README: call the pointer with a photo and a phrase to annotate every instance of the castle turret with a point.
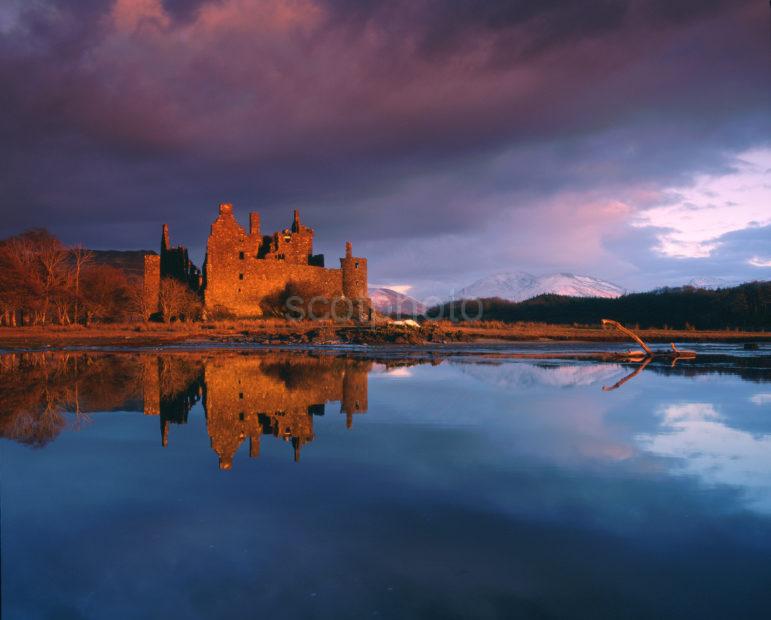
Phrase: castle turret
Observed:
(355, 286)
(296, 222)
(165, 245)
(254, 224)
(354, 274)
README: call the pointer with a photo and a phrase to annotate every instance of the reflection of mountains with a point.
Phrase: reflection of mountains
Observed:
(524, 375)
(243, 396)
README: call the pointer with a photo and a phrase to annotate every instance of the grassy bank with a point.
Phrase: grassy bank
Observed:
(279, 331)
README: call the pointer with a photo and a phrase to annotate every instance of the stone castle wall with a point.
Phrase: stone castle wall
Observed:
(243, 269)
(242, 286)
(151, 285)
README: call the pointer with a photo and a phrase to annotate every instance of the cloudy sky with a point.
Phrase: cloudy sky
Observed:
(448, 139)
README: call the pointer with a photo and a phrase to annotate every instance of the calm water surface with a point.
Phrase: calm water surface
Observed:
(321, 485)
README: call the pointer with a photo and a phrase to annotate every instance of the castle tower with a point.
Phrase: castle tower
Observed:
(254, 224)
(355, 285)
(296, 222)
(176, 264)
(354, 274)
(165, 244)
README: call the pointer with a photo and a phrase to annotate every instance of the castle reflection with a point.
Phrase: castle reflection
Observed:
(244, 396)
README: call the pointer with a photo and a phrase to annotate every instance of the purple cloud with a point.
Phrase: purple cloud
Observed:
(399, 125)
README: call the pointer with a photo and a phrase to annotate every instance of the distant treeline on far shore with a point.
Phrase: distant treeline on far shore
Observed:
(747, 306)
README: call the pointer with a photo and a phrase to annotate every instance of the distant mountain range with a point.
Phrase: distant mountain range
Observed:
(511, 286)
(519, 286)
(712, 283)
(389, 301)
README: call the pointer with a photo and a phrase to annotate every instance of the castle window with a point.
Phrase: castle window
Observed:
(287, 239)
(240, 276)
(241, 397)
(356, 265)
(241, 255)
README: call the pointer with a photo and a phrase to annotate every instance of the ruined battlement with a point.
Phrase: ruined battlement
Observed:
(244, 268)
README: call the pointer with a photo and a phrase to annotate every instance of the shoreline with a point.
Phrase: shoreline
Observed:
(307, 333)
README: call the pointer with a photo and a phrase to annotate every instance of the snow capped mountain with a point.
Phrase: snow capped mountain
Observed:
(519, 286)
(387, 301)
(712, 283)
(503, 285)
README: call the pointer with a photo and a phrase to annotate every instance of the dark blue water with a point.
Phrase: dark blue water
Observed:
(468, 488)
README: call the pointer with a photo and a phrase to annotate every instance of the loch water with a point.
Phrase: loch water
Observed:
(356, 484)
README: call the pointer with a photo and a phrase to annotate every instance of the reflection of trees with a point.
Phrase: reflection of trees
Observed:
(40, 388)
(244, 396)
(756, 368)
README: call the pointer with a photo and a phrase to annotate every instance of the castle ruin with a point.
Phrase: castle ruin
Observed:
(243, 269)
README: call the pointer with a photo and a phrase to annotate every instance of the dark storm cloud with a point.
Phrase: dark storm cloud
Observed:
(381, 120)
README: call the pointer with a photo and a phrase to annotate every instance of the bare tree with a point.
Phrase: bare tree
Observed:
(35, 258)
(53, 262)
(176, 300)
(105, 294)
(81, 257)
(140, 307)
(42, 281)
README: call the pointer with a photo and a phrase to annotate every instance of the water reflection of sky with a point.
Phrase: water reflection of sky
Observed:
(477, 490)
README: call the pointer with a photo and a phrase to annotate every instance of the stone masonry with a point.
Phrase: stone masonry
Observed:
(243, 268)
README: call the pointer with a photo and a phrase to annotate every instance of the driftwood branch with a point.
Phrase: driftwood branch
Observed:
(631, 334)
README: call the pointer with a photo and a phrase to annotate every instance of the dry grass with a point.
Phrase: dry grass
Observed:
(146, 334)
(535, 331)
(142, 334)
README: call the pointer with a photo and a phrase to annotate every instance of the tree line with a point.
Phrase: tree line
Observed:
(44, 282)
(747, 306)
